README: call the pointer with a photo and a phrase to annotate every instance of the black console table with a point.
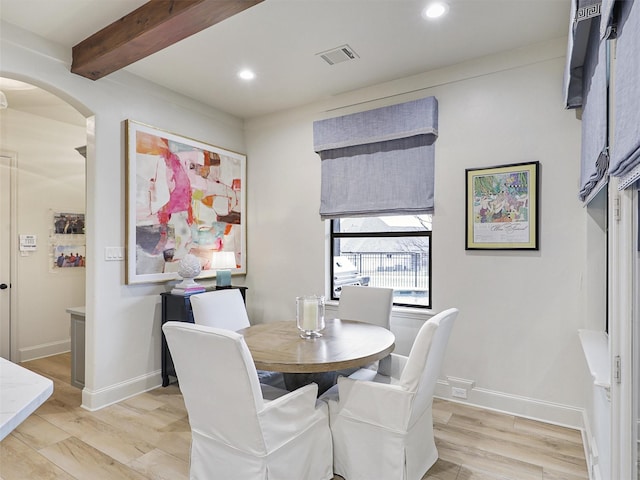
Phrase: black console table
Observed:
(177, 308)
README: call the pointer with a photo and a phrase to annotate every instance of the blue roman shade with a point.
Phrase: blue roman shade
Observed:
(625, 155)
(586, 78)
(594, 160)
(582, 14)
(606, 19)
(378, 162)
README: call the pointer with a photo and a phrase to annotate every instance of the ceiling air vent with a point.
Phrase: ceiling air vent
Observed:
(338, 55)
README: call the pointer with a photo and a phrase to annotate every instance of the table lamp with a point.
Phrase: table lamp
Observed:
(222, 263)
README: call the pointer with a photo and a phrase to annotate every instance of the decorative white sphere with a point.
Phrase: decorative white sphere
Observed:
(189, 266)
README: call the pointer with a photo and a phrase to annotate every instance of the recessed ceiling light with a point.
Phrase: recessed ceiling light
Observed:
(246, 74)
(435, 10)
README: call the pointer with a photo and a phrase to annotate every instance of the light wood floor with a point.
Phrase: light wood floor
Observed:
(148, 436)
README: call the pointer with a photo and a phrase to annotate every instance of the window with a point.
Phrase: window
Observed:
(391, 251)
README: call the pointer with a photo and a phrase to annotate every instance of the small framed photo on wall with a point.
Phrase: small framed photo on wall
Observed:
(502, 207)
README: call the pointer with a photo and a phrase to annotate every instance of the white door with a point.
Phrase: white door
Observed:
(5, 256)
(635, 439)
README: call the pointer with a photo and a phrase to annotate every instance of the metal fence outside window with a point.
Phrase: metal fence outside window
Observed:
(393, 269)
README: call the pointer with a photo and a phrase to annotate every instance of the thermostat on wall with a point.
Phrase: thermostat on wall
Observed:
(28, 243)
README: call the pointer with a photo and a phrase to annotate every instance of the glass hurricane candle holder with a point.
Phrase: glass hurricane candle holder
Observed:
(310, 315)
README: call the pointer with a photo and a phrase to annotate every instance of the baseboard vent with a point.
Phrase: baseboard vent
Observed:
(339, 55)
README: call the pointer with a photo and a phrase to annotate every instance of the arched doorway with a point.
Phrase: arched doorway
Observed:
(43, 177)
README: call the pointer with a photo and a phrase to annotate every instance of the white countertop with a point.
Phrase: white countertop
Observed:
(21, 393)
(595, 345)
(77, 311)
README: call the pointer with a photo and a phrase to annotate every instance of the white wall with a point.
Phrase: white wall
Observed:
(123, 322)
(50, 178)
(516, 336)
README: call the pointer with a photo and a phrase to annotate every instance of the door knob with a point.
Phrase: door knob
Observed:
(3, 286)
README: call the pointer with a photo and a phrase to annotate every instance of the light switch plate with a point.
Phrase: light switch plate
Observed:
(114, 254)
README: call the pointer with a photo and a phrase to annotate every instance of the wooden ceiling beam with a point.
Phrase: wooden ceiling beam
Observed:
(147, 30)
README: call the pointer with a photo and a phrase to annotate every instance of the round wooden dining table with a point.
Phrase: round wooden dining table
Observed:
(277, 346)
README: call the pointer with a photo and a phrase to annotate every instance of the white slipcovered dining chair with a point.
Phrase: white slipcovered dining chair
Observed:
(220, 309)
(366, 304)
(237, 433)
(370, 305)
(225, 308)
(382, 426)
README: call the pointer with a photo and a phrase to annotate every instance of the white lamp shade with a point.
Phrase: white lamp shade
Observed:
(223, 260)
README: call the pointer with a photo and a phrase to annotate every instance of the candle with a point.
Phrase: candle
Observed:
(310, 314)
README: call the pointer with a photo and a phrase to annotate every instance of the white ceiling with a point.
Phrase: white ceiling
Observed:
(280, 40)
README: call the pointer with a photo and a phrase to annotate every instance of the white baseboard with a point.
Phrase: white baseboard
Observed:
(93, 400)
(535, 409)
(44, 350)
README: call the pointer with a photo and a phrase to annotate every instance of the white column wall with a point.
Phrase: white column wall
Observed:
(516, 336)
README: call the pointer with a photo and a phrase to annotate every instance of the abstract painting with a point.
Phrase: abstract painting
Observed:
(183, 196)
(502, 207)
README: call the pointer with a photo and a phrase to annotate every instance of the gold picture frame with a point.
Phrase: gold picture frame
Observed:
(182, 196)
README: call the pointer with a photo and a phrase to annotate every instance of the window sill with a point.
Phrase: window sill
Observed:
(595, 345)
(418, 312)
